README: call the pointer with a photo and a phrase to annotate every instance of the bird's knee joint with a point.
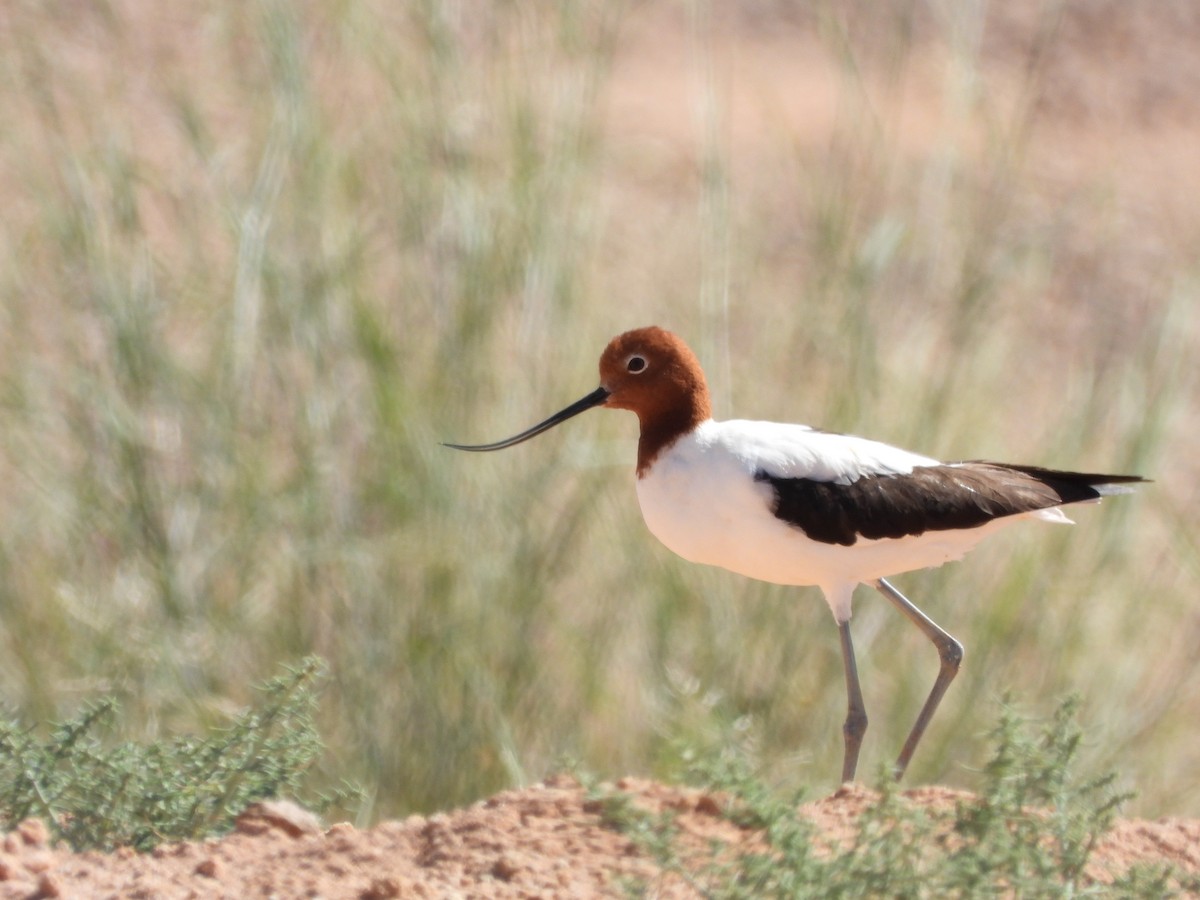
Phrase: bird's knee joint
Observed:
(855, 725)
(951, 652)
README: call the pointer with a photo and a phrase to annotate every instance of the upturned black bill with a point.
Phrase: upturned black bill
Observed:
(595, 398)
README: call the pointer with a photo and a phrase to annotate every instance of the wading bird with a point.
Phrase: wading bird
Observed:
(790, 504)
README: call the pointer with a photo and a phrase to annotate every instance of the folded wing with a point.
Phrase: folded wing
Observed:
(929, 498)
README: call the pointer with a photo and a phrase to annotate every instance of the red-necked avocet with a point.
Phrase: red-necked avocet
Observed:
(790, 504)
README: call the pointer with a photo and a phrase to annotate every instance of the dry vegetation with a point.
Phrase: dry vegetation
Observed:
(257, 259)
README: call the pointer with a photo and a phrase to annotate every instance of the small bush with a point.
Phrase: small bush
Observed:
(1028, 832)
(97, 794)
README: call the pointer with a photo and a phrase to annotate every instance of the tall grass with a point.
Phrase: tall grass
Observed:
(258, 259)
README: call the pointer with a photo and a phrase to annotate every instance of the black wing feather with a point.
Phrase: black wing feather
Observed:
(930, 498)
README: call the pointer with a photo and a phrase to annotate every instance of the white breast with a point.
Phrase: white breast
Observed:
(700, 498)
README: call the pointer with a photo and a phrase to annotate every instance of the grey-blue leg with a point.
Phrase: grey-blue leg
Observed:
(950, 652)
(856, 713)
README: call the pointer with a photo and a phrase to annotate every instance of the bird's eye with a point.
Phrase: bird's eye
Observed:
(636, 364)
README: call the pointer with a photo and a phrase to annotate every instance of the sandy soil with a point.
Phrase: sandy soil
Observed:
(543, 841)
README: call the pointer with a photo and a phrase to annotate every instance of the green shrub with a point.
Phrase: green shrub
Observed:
(96, 794)
(1029, 831)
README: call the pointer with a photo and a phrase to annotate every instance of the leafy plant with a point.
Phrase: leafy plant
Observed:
(99, 795)
(1030, 831)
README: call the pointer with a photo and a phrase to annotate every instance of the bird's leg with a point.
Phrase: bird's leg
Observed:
(856, 713)
(950, 652)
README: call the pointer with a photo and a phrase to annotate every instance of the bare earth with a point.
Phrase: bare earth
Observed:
(543, 841)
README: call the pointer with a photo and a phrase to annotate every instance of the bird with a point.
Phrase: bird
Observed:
(795, 505)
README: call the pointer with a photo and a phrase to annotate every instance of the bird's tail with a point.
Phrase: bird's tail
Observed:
(1075, 487)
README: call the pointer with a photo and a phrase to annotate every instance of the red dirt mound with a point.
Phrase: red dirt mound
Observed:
(544, 841)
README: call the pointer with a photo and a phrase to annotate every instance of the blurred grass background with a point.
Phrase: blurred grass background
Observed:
(257, 259)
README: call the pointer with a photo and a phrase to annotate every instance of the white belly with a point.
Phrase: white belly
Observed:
(702, 502)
